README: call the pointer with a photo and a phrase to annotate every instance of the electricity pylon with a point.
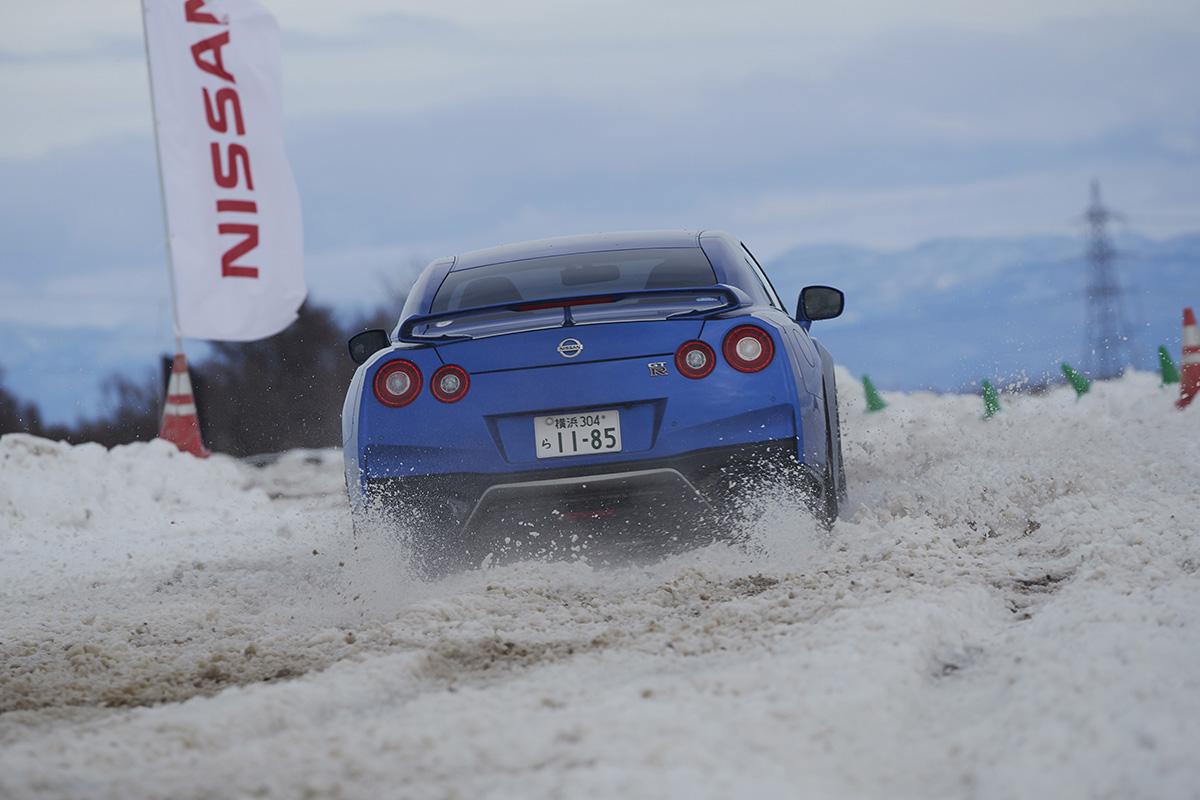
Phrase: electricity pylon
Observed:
(1107, 349)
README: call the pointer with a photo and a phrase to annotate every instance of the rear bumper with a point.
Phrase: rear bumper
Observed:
(711, 478)
(589, 498)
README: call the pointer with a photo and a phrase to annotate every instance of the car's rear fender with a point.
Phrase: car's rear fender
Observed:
(360, 399)
(797, 355)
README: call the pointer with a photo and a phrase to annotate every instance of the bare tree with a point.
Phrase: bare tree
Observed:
(16, 416)
(267, 396)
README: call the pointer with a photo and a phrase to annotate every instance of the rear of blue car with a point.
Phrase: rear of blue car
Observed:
(591, 393)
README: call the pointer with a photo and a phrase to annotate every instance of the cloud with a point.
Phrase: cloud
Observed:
(1160, 200)
(104, 48)
(387, 28)
(946, 70)
(97, 301)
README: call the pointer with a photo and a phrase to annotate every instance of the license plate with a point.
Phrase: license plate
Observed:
(577, 434)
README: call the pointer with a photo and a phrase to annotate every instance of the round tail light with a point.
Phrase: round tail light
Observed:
(397, 383)
(450, 383)
(695, 359)
(748, 348)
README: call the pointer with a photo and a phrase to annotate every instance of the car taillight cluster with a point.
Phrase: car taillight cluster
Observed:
(747, 348)
(450, 383)
(695, 359)
(397, 383)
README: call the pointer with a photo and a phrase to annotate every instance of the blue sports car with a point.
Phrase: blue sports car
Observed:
(619, 386)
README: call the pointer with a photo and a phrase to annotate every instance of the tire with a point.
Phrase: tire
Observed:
(842, 491)
(826, 505)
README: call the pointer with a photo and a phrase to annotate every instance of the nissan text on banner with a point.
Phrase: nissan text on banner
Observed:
(233, 213)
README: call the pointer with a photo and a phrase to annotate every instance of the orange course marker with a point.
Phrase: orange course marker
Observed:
(1189, 368)
(180, 424)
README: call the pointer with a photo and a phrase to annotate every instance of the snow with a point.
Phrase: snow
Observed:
(1008, 608)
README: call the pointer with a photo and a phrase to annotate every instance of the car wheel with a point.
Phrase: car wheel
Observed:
(842, 492)
(826, 505)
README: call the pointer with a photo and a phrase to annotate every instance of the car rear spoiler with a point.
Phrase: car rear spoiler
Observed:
(730, 298)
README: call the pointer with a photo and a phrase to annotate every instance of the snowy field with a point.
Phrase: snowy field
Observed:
(1009, 608)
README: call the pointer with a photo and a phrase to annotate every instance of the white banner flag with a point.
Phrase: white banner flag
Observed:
(233, 213)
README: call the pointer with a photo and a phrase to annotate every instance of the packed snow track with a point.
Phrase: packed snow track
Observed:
(1008, 608)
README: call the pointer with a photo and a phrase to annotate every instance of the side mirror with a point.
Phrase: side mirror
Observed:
(368, 343)
(820, 302)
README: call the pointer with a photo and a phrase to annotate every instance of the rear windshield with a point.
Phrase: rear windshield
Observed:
(572, 275)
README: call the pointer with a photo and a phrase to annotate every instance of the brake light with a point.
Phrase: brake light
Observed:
(695, 359)
(397, 383)
(450, 383)
(581, 301)
(748, 348)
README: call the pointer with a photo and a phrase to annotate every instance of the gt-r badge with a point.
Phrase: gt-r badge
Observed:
(657, 369)
(569, 348)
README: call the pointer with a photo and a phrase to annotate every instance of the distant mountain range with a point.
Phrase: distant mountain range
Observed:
(946, 313)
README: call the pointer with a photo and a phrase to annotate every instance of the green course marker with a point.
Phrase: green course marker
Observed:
(1078, 382)
(991, 401)
(1170, 373)
(874, 401)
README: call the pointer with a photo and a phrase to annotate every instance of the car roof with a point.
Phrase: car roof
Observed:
(586, 243)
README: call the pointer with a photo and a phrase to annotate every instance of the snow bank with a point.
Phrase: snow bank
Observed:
(1007, 609)
(53, 485)
(79, 508)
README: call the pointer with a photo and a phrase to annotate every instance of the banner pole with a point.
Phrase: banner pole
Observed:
(162, 189)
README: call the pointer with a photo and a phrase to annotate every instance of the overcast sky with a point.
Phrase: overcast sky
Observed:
(418, 129)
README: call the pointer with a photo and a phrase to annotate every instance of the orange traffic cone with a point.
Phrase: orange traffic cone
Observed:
(180, 425)
(1189, 369)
